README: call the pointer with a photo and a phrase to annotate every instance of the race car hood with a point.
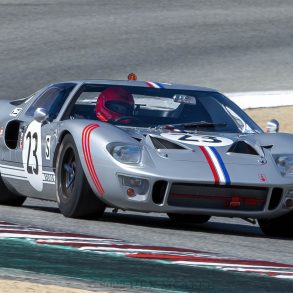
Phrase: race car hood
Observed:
(237, 158)
(240, 149)
(189, 146)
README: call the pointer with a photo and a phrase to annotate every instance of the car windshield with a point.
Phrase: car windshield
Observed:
(152, 108)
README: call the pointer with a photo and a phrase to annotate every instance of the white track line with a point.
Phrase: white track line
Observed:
(246, 100)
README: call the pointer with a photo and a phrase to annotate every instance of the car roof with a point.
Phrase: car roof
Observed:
(146, 84)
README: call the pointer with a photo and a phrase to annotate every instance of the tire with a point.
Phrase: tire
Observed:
(188, 218)
(7, 197)
(278, 227)
(74, 194)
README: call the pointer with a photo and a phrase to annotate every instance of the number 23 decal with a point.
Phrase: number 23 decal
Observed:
(202, 140)
(32, 155)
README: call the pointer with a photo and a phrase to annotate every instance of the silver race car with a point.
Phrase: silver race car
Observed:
(183, 150)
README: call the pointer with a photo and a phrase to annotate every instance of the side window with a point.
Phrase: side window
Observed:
(52, 100)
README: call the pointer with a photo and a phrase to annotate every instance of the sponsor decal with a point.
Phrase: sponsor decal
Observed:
(262, 178)
(170, 255)
(15, 112)
(48, 147)
(49, 177)
(86, 149)
(199, 140)
(217, 166)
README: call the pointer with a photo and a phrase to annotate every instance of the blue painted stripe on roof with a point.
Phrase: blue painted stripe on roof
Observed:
(159, 84)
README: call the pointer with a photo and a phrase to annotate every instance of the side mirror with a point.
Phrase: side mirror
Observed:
(41, 115)
(273, 126)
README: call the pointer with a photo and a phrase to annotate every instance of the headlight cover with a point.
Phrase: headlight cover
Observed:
(285, 164)
(125, 153)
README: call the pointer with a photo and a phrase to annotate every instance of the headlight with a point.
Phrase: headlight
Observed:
(125, 153)
(285, 164)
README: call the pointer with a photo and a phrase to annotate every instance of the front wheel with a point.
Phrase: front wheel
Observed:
(278, 227)
(7, 197)
(188, 218)
(74, 194)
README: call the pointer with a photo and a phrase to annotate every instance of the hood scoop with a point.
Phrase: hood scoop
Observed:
(160, 143)
(242, 147)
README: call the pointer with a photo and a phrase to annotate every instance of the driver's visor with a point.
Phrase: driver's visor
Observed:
(120, 108)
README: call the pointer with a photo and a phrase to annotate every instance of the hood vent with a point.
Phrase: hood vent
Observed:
(138, 139)
(160, 143)
(242, 147)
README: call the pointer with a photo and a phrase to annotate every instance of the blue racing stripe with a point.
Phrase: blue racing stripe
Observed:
(159, 84)
(223, 167)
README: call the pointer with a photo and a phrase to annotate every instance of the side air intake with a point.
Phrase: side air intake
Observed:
(159, 190)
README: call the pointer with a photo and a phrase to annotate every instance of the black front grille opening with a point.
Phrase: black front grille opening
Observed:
(159, 191)
(275, 198)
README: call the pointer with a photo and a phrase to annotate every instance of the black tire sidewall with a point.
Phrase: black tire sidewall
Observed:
(82, 203)
(7, 197)
(278, 227)
(69, 205)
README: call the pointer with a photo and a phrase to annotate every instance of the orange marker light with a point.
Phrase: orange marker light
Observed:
(132, 76)
(131, 192)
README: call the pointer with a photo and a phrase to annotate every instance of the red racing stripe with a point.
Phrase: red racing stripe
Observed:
(246, 200)
(149, 84)
(84, 149)
(211, 164)
(88, 158)
(90, 162)
(98, 183)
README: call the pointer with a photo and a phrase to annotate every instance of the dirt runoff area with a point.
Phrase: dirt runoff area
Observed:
(283, 114)
(9, 286)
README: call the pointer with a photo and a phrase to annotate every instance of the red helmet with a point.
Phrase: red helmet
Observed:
(114, 102)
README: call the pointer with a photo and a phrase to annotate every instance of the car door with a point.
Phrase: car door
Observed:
(31, 157)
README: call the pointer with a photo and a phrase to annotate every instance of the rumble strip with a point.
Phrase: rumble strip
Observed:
(171, 255)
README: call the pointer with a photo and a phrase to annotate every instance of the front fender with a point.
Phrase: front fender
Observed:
(91, 139)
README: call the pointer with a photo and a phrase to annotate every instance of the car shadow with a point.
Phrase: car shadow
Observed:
(162, 222)
(146, 220)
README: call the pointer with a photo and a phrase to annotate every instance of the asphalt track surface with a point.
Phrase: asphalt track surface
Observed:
(230, 45)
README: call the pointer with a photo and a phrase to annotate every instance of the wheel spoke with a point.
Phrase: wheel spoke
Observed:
(70, 174)
(68, 168)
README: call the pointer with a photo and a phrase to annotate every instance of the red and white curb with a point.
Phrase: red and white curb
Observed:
(171, 255)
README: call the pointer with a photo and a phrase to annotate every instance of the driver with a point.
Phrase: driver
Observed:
(113, 103)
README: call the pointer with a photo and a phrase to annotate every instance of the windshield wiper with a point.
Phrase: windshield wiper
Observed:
(201, 124)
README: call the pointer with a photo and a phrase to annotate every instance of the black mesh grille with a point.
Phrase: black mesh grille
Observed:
(218, 197)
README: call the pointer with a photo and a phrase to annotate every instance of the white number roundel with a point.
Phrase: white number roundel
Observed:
(32, 155)
(201, 140)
